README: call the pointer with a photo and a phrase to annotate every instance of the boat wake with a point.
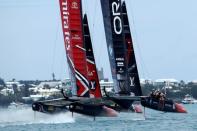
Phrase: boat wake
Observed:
(27, 116)
(132, 116)
(123, 116)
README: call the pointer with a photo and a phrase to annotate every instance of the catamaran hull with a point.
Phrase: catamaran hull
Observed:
(90, 107)
(95, 110)
(124, 104)
(48, 109)
(166, 105)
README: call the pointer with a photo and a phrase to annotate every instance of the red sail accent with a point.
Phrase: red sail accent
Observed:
(71, 15)
(94, 81)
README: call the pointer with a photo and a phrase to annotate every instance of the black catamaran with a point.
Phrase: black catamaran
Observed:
(123, 62)
(120, 50)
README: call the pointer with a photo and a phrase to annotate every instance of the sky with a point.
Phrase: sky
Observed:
(164, 34)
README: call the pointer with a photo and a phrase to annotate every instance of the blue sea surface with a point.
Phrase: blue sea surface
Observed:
(26, 120)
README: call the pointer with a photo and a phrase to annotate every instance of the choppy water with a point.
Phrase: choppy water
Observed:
(26, 120)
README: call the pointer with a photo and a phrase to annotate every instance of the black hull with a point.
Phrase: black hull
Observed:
(91, 109)
(48, 109)
(123, 103)
(86, 109)
(152, 103)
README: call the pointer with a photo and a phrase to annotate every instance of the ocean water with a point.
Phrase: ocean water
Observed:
(26, 120)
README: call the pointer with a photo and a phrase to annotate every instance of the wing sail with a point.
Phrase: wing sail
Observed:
(71, 15)
(94, 85)
(112, 19)
(133, 76)
(120, 48)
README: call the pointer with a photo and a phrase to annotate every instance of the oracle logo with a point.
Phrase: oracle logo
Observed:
(117, 22)
(65, 21)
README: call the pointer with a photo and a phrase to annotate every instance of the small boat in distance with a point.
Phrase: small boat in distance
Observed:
(189, 100)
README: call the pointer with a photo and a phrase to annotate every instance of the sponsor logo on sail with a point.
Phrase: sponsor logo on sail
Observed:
(92, 85)
(120, 71)
(74, 5)
(65, 20)
(90, 73)
(117, 22)
(120, 64)
(76, 37)
(132, 81)
(119, 59)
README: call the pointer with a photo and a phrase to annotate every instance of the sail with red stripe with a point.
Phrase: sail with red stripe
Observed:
(79, 49)
(71, 15)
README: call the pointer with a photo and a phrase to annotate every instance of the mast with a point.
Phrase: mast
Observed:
(92, 71)
(133, 76)
(71, 15)
(112, 18)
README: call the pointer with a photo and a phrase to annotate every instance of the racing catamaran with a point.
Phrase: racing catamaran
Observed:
(81, 61)
(123, 62)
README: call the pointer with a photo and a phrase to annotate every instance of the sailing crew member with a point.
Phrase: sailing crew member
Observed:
(161, 101)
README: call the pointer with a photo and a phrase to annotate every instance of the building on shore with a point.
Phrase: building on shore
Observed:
(166, 82)
(108, 85)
